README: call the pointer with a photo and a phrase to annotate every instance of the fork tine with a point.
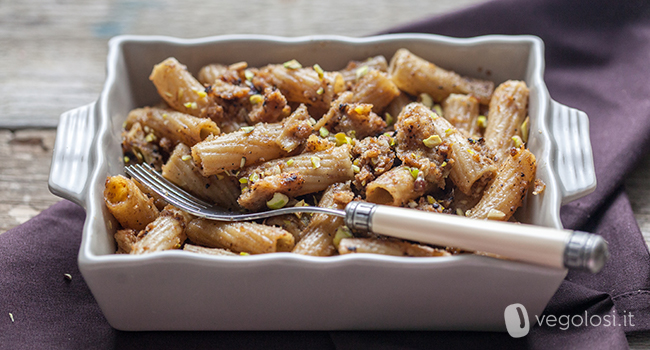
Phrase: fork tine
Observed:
(170, 186)
(147, 179)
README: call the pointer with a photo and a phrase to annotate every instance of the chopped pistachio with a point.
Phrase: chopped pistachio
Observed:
(358, 109)
(244, 189)
(518, 141)
(341, 139)
(243, 254)
(247, 129)
(438, 109)
(150, 137)
(186, 157)
(315, 162)
(432, 141)
(341, 232)
(470, 151)
(426, 100)
(242, 162)
(191, 105)
(430, 199)
(165, 116)
(320, 71)
(481, 121)
(248, 75)
(292, 64)
(356, 169)
(414, 172)
(255, 99)
(290, 162)
(361, 72)
(126, 159)
(495, 214)
(389, 119)
(468, 212)
(180, 93)
(254, 177)
(243, 180)
(524, 129)
(320, 90)
(444, 163)
(202, 94)
(460, 212)
(220, 176)
(353, 134)
(278, 201)
(449, 131)
(323, 132)
(312, 121)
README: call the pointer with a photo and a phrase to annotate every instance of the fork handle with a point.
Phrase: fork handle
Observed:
(527, 243)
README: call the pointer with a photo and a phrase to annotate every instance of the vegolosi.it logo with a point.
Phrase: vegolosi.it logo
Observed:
(517, 322)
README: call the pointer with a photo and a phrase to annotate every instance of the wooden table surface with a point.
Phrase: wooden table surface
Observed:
(52, 59)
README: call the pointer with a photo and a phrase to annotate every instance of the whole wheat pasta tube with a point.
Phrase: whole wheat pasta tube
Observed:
(176, 126)
(208, 251)
(240, 237)
(318, 236)
(303, 85)
(181, 170)
(375, 88)
(182, 91)
(165, 233)
(296, 176)
(397, 186)
(507, 191)
(357, 69)
(387, 247)
(508, 110)
(125, 240)
(415, 75)
(248, 147)
(472, 170)
(462, 111)
(130, 207)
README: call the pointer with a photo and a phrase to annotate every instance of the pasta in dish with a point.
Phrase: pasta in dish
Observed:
(403, 133)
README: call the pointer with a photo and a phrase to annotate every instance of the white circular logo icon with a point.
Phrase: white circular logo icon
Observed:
(517, 322)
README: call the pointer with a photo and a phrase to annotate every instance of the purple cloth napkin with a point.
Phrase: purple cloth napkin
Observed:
(597, 60)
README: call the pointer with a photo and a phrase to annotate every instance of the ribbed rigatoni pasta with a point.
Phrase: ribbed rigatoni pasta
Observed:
(387, 247)
(176, 126)
(471, 170)
(295, 176)
(182, 91)
(318, 236)
(462, 112)
(415, 75)
(252, 146)
(397, 186)
(165, 233)
(507, 191)
(240, 237)
(181, 170)
(508, 110)
(130, 207)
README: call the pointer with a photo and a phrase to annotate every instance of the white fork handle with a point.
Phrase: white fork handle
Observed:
(527, 243)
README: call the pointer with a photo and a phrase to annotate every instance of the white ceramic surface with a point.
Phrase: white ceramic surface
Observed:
(176, 290)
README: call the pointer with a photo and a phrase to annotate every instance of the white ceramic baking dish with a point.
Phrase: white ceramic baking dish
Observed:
(177, 290)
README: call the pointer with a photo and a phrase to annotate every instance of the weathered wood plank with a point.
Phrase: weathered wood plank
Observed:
(54, 52)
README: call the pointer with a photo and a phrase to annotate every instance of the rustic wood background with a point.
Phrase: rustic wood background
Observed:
(53, 52)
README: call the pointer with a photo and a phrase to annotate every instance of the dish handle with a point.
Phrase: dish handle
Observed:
(573, 158)
(72, 152)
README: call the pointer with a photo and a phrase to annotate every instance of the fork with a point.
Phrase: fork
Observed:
(526, 243)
